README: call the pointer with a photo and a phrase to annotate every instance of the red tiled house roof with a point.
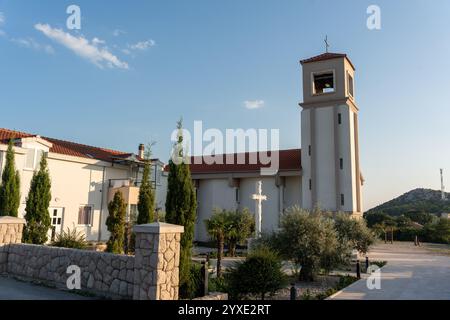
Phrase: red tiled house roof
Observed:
(289, 160)
(66, 147)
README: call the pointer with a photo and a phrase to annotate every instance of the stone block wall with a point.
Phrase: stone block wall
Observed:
(105, 274)
(152, 274)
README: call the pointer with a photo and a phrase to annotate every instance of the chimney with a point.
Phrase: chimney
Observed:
(141, 152)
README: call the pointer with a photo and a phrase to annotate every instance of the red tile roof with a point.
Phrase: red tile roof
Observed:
(288, 160)
(326, 56)
(66, 147)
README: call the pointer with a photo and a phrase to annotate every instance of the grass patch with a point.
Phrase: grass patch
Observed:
(378, 263)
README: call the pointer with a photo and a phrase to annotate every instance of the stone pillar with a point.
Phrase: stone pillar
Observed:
(11, 229)
(157, 260)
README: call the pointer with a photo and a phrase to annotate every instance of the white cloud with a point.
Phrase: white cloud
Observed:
(33, 44)
(2, 18)
(118, 32)
(97, 41)
(101, 57)
(142, 45)
(254, 104)
(2, 33)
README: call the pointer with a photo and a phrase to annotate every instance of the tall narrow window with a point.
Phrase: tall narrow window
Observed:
(85, 215)
(339, 118)
(236, 190)
(342, 200)
(350, 84)
(341, 163)
(310, 184)
(309, 150)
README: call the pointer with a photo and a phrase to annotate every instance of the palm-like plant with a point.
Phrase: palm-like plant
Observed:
(218, 227)
(241, 226)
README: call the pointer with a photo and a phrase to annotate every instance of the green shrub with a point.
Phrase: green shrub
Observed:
(115, 222)
(217, 285)
(326, 294)
(345, 281)
(356, 232)
(260, 274)
(193, 287)
(307, 295)
(309, 240)
(378, 263)
(70, 239)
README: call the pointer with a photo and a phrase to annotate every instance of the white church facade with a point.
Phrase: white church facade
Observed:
(324, 173)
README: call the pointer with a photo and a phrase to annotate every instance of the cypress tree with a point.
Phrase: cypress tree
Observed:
(10, 186)
(181, 206)
(116, 224)
(38, 201)
(146, 202)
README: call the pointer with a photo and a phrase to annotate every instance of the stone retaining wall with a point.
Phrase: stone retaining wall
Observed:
(152, 274)
(101, 273)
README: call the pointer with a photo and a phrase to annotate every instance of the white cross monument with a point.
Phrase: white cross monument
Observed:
(259, 198)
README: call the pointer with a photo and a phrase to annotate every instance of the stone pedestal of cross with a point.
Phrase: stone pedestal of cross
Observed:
(259, 198)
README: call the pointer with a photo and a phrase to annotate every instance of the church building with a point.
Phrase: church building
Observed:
(324, 173)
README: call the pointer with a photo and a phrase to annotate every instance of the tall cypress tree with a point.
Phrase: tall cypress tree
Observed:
(116, 224)
(146, 202)
(10, 186)
(38, 201)
(181, 207)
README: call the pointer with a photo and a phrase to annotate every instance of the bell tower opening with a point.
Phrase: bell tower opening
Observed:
(323, 82)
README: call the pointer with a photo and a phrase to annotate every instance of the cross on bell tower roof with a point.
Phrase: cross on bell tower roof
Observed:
(327, 45)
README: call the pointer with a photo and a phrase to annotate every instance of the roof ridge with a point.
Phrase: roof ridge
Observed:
(86, 145)
(26, 134)
(247, 152)
(18, 132)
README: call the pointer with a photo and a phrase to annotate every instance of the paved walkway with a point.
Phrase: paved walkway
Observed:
(11, 289)
(412, 273)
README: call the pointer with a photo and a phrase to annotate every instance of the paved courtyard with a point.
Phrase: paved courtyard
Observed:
(11, 289)
(412, 273)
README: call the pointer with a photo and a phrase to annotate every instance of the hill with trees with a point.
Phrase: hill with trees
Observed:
(415, 201)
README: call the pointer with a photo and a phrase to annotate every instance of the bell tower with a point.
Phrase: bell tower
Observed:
(331, 176)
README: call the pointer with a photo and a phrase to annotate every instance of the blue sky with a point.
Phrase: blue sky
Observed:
(203, 59)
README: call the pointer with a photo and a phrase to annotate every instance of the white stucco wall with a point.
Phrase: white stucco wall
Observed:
(306, 158)
(293, 192)
(212, 193)
(325, 158)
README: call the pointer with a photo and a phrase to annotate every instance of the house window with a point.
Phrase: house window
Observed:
(309, 150)
(350, 84)
(132, 215)
(85, 215)
(310, 184)
(33, 158)
(339, 118)
(342, 199)
(236, 190)
(341, 163)
(323, 82)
